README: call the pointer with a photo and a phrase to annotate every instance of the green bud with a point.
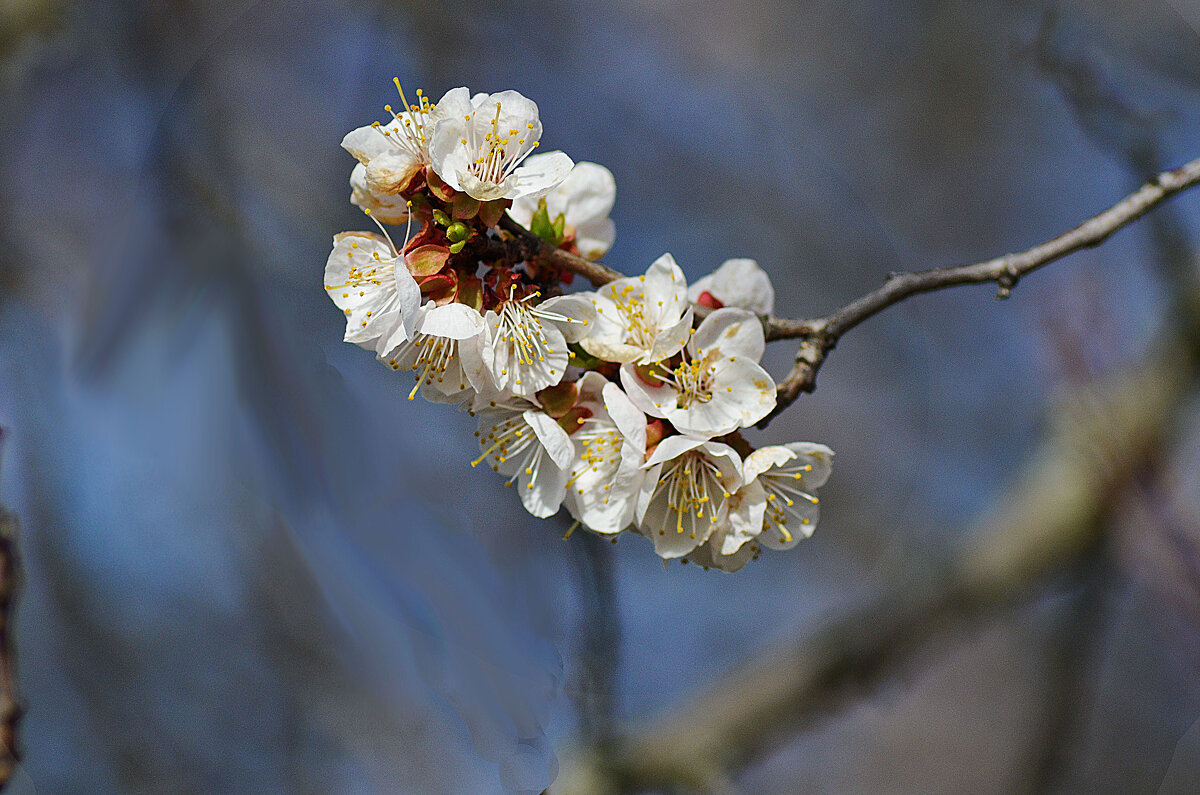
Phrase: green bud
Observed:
(540, 224)
(457, 247)
(560, 226)
(441, 218)
(458, 232)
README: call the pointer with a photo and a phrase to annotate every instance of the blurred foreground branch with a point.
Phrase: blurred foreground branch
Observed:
(10, 709)
(1050, 519)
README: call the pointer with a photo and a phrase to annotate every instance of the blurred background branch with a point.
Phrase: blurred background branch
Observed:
(1107, 438)
(1051, 519)
(10, 707)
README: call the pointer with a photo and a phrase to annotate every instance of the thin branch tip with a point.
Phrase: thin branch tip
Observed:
(819, 336)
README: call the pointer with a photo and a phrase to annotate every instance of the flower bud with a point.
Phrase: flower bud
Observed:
(426, 260)
(470, 292)
(441, 218)
(491, 212)
(438, 187)
(655, 431)
(457, 232)
(465, 206)
(559, 399)
(646, 372)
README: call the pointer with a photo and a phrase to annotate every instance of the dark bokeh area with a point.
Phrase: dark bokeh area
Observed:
(250, 565)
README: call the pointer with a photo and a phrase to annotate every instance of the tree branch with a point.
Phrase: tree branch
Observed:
(10, 708)
(1052, 517)
(818, 336)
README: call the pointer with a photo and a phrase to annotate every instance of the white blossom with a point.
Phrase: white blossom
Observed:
(481, 143)
(709, 555)
(780, 484)
(388, 209)
(640, 319)
(790, 475)
(717, 387)
(434, 353)
(732, 544)
(532, 450)
(525, 344)
(610, 448)
(686, 493)
(392, 154)
(738, 283)
(584, 199)
(372, 286)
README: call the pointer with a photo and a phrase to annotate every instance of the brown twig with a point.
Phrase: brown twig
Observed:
(597, 273)
(10, 708)
(818, 336)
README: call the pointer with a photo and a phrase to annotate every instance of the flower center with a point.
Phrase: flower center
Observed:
(692, 379)
(691, 485)
(500, 151)
(781, 486)
(639, 330)
(520, 326)
(511, 439)
(435, 355)
(600, 456)
(411, 121)
(359, 277)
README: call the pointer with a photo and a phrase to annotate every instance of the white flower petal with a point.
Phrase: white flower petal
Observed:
(595, 238)
(456, 321)
(651, 399)
(745, 517)
(665, 281)
(538, 178)
(391, 171)
(630, 421)
(704, 420)
(672, 447)
(765, 458)
(578, 309)
(746, 385)
(543, 496)
(738, 283)
(735, 332)
(588, 193)
(384, 208)
(369, 142)
(819, 457)
(484, 191)
(670, 341)
(553, 438)
(471, 355)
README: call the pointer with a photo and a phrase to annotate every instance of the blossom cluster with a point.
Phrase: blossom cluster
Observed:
(622, 404)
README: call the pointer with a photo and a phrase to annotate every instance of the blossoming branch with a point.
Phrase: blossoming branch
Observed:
(622, 404)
